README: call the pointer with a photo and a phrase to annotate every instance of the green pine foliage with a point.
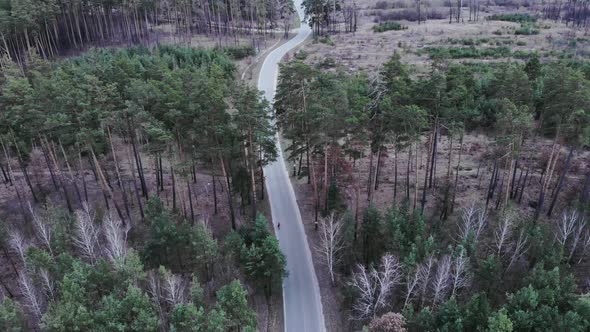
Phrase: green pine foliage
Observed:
(388, 26)
(518, 18)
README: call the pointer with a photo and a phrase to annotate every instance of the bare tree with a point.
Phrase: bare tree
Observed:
(585, 245)
(174, 287)
(472, 224)
(440, 285)
(460, 274)
(503, 233)
(520, 248)
(425, 272)
(570, 233)
(19, 244)
(412, 283)
(42, 229)
(86, 238)
(116, 238)
(331, 243)
(48, 283)
(565, 227)
(374, 287)
(153, 286)
(30, 295)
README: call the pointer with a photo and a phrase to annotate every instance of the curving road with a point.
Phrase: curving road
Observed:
(301, 294)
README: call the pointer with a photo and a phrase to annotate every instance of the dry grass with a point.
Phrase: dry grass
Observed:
(366, 50)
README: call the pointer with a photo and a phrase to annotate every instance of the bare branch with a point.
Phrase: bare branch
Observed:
(388, 277)
(19, 244)
(42, 229)
(520, 248)
(585, 245)
(460, 276)
(565, 227)
(86, 238)
(362, 283)
(30, 296)
(116, 236)
(425, 273)
(472, 223)
(374, 287)
(48, 283)
(503, 233)
(412, 283)
(441, 280)
(331, 243)
(174, 288)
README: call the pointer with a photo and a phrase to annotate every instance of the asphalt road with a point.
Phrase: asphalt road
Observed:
(301, 294)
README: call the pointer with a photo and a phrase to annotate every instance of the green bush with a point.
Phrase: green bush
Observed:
(301, 55)
(521, 43)
(387, 26)
(518, 18)
(527, 30)
(239, 52)
(468, 52)
(326, 40)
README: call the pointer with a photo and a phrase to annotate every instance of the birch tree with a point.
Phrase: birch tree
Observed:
(331, 242)
(86, 238)
(374, 287)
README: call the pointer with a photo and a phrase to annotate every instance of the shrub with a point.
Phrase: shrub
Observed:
(409, 15)
(521, 43)
(239, 52)
(527, 30)
(468, 52)
(326, 40)
(387, 26)
(518, 18)
(301, 55)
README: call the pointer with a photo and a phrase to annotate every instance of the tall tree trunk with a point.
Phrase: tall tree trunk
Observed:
(545, 183)
(378, 168)
(326, 149)
(190, 200)
(585, 194)
(370, 179)
(214, 194)
(229, 194)
(173, 188)
(433, 157)
(524, 183)
(138, 162)
(408, 169)
(561, 181)
(457, 173)
(394, 175)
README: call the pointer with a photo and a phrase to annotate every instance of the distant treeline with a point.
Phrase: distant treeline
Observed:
(53, 26)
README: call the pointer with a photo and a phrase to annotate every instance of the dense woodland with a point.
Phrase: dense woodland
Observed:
(487, 264)
(109, 223)
(55, 26)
